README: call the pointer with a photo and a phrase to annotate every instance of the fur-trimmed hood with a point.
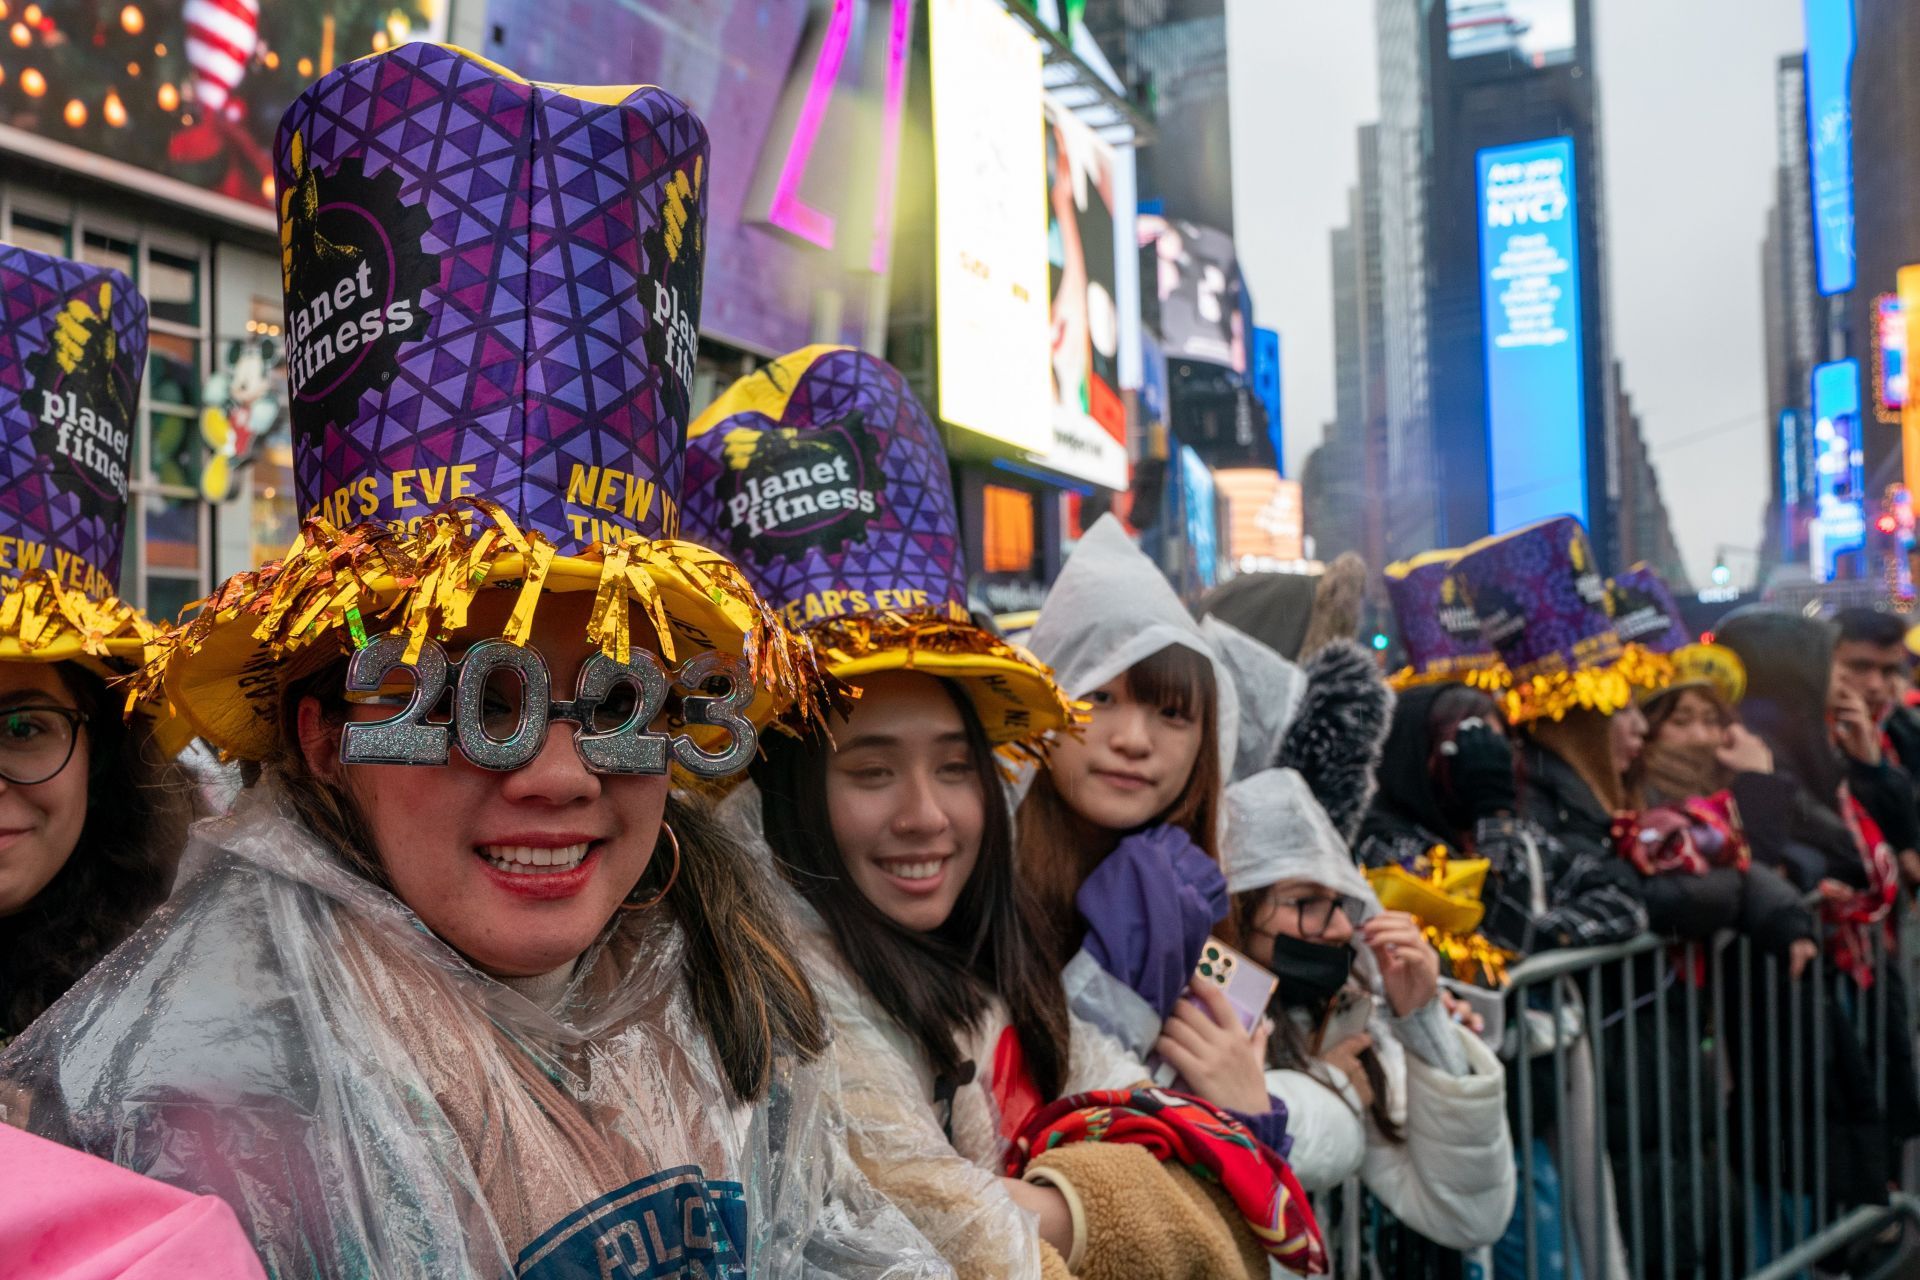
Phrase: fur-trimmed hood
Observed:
(1335, 738)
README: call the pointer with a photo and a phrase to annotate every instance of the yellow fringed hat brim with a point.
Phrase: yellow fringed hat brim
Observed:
(223, 671)
(1012, 692)
(1605, 688)
(1495, 679)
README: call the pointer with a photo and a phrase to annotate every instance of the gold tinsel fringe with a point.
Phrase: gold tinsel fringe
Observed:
(38, 613)
(1605, 688)
(944, 631)
(329, 587)
(1494, 679)
(1471, 958)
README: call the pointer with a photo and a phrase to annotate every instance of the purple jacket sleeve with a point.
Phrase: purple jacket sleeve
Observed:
(1270, 1128)
(1148, 909)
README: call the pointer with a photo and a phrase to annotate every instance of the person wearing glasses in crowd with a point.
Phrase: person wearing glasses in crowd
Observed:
(1395, 1092)
(93, 810)
(481, 990)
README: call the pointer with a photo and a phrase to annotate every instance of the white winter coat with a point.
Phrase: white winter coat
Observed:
(1452, 1180)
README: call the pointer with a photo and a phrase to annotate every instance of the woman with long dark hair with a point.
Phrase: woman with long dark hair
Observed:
(952, 1036)
(1119, 831)
(93, 810)
(466, 985)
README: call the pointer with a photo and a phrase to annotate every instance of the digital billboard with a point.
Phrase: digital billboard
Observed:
(1540, 33)
(1830, 45)
(1202, 516)
(1265, 518)
(803, 106)
(1907, 283)
(1198, 309)
(192, 89)
(1889, 358)
(1083, 268)
(1839, 524)
(990, 224)
(1266, 389)
(1530, 308)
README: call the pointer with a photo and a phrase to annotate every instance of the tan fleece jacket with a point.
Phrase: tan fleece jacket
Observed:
(1138, 1219)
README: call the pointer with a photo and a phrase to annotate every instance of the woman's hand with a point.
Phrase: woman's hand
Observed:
(1213, 1053)
(1835, 891)
(1047, 1204)
(1346, 1056)
(1800, 954)
(1744, 752)
(1462, 1012)
(1409, 967)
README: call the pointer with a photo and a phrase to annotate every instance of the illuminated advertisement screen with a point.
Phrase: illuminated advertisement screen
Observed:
(1198, 291)
(1889, 357)
(803, 107)
(1538, 32)
(192, 89)
(1083, 268)
(1197, 496)
(1839, 521)
(1830, 44)
(1530, 305)
(990, 224)
(1264, 517)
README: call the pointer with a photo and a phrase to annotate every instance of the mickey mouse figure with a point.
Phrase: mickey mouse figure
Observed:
(242, 406)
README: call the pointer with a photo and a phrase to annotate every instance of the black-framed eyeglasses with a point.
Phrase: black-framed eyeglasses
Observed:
(36, 742)
(1313, 912)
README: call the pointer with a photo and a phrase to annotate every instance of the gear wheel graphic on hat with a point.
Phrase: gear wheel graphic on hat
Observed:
(83, 414)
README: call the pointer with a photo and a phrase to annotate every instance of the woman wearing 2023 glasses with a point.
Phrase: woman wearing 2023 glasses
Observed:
(92, 810)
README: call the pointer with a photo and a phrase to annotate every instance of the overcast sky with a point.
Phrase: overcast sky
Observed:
(1687, 127)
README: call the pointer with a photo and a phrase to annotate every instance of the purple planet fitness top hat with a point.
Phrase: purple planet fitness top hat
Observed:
(492, 291)
(1438, 628)
(1644, 612)
(826, 481)
(1543, 602)
(73, 346)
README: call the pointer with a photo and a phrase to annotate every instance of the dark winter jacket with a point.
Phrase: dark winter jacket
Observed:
(1557, 799)
(1586, 901)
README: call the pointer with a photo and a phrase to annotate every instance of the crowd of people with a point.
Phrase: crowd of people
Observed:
(821, 929)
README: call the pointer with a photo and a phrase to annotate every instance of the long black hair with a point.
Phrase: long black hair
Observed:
(138, 806)
(936, 984)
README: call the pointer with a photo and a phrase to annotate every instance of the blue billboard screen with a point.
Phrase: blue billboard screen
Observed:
(1839, 523)
(1830, 44)
(1530, 309)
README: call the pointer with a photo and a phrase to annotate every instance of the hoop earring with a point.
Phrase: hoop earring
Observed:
(628, 904)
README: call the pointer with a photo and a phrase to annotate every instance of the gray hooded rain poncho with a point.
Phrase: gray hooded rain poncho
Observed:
(287, 1036)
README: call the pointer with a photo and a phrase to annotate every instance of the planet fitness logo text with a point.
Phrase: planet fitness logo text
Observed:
(83, 389)
(784, 491)
(355, 276)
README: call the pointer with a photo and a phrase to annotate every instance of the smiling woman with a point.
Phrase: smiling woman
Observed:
(92, 810)
(473, 991)
(893, 832)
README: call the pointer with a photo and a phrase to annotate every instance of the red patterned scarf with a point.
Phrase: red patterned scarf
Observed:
(1203, 1139)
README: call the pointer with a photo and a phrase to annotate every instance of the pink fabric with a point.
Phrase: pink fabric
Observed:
(68, 1216)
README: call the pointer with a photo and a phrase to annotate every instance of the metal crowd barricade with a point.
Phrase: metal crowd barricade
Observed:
(1720, 1066)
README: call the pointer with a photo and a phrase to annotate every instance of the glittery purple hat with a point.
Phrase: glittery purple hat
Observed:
(492, 292)
(1543, 604)
(73, 344)
(1438, 628)
(823, 478)
(1644, 612)
(492, 300)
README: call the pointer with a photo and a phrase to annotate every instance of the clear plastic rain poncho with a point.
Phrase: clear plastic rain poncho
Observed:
(942, 1170)
(1270, 689)
(1109, 608)
(289, 1037)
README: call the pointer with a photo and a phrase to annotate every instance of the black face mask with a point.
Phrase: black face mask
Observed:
(1310, 973)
